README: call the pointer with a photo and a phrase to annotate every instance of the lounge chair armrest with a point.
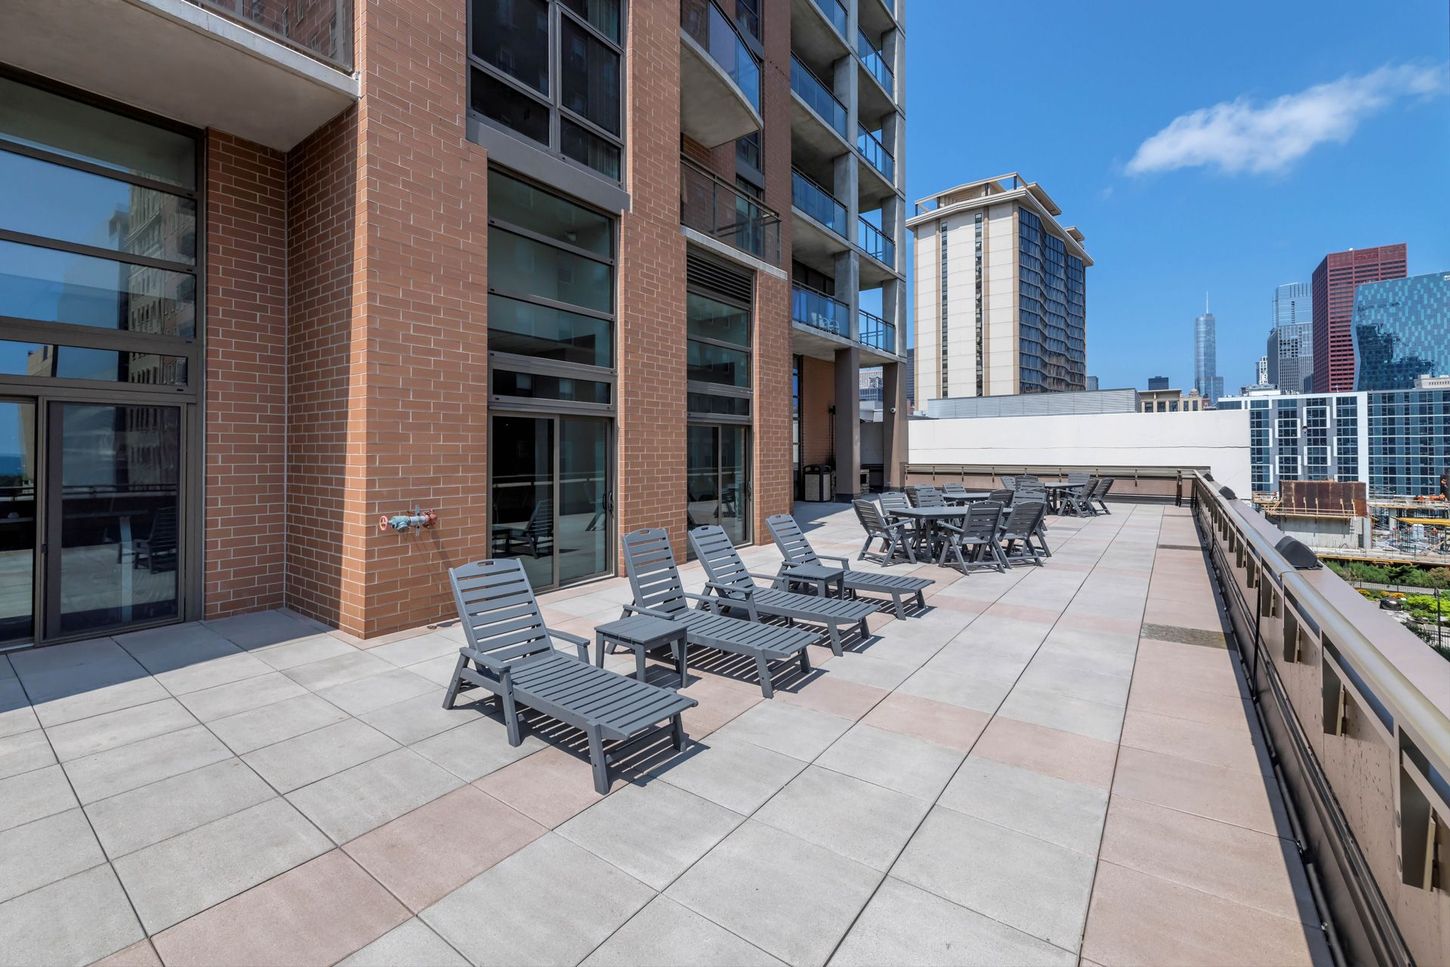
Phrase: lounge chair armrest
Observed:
(581, 645)
(501, 669)
(731, 590)
(638, 609)
(764, 577)
(843, 561)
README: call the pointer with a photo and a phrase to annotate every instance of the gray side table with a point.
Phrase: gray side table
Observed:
(642, 633)
(817, 576)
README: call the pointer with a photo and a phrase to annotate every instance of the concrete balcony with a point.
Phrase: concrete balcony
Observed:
(820, 225)
(720, 211)
(720, 76)
(270, 72)
(818, 118)
(818, 30)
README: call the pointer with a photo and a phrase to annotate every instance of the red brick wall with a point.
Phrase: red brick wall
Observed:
(651, 327)
(322, 182)
(246, 318)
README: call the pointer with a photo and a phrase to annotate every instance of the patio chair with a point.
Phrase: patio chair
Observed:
(650, 563)
(1100, 493)
(736, 588)
(930, 497)
(954, 491)
(537, 534)
(977, 535)
(797, 550)
(896, 536)
(1010, 483)
(1077, 501)
(1003, 497)
(510, 654)
(1014, 541)
(157, 549)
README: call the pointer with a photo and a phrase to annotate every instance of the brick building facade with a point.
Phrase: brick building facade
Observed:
(352, 363)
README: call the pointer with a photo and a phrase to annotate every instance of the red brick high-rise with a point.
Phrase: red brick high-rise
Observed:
(1333, 285)
(545, 268)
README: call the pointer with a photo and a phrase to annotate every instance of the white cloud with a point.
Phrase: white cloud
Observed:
(1244, 136)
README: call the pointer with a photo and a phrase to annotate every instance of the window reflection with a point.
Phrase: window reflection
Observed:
(47, 285)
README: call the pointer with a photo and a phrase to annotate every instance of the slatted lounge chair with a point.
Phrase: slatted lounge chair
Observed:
(737, 589)
(798, 552)
(510, 653)
(1100, 493)
(976, 533)
(650, 562)
(930, 497)
(896, 536)
(537, 534)
(1003, 497)
(1015, 538)
(954, 491)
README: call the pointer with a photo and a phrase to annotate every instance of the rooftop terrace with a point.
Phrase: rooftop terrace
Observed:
(1053, 765)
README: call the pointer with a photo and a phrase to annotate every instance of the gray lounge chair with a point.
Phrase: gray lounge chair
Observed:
(650, 562)
(537, 533)
(510, 653)
(798, 552)
(896, 536)
(737, 589)
(1100, 493)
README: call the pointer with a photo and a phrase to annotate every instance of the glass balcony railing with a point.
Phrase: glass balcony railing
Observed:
(875, 332)
(819, 311)
(818, 203)
(835, 12)
(720, 210)
(877, 243)
(815, 93)
(874, 62)
(875, 153)
(717, 33)
(319, 28)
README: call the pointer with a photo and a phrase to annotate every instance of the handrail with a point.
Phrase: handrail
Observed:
(875, 152)
(816, 202)
(879, 245)
(718, 34)
(873, 331)
(813, 308)
(873, 61)
(711, 205)
(814, 92)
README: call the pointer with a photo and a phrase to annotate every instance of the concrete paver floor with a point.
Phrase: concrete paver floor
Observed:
(1054, 765)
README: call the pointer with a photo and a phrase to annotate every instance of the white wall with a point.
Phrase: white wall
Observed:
(1218, 439)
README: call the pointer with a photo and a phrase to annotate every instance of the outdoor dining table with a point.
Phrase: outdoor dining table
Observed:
(967, 497)
(929, 517)
(1055, 489)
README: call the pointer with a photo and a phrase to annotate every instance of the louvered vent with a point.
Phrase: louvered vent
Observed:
(716, 278)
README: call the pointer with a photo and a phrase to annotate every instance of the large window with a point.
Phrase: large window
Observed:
(553, 72)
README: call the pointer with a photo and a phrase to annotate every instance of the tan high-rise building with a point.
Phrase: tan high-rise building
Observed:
(999, 295)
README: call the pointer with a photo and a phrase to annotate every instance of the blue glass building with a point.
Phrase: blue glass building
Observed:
(1052, 311)
(1401, 331)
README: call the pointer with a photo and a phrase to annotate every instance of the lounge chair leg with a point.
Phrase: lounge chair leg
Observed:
(865, 630)
(920, 600)
(805, 660)
(677, 732)
(897, 605)
(835, 635)
(597, 760)
(762, 668)
(452, 694)
(511, 719)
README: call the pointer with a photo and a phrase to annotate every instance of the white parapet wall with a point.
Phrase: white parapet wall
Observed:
(1217, 439)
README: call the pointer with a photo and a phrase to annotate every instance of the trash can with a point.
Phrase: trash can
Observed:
(819, 482)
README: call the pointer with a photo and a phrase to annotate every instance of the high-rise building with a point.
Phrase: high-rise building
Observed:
(1291, 339)
(999, 298)
(1205, 357)
(1157, 382)
(1334, 284)
(1091, 385)
(1261, 371)
(1401, 331)
(405, 283)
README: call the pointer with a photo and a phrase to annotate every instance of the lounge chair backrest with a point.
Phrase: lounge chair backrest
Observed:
(1023, 520)
(953, 490)
(1104, 485)
(790, 539)
(1003, 497)
(869, 516)
(497, 607)
(718, 557)
(982, 520)
(1009, 482)
(541, 520)
(893, 500)
(1078, 479)
(650, 563)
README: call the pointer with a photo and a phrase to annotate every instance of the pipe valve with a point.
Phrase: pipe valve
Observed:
(399, 523)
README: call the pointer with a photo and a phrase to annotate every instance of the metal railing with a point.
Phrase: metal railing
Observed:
(873, 331)
(835, 12)
(713, 206)
(718, 34)
(818, 310)
(818, 203)
(1354, 709)
(814, 92)
(877, 243)
(875, 153)
(318, 28)
(874, 62)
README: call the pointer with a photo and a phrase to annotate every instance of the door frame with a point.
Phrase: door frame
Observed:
(611, 456)
(746, 510)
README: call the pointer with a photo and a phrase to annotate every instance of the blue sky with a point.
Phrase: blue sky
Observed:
(1274, 170)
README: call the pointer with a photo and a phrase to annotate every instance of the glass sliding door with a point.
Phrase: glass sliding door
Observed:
(718, 479)
(17, 520)
(115, 495)
(551, 501)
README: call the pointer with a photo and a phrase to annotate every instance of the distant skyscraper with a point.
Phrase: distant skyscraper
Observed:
(1401, 331)
(1291, 340)
(1092, 384)
(1335, 280)
(1205, 357)
(1261, 372)
(1157, 382)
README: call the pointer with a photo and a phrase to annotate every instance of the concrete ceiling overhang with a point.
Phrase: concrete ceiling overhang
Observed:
(713, 109)
(177, 60)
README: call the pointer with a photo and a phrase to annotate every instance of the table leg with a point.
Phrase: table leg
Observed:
(681, 650)
(599, 649)
(639, 663)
